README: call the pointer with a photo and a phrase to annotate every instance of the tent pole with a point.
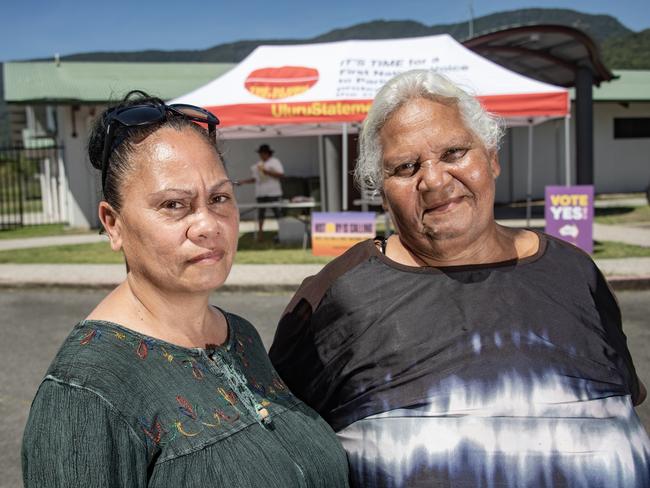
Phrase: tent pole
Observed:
(344, 172)
(324, 204)
(529, 182)
(567, 152)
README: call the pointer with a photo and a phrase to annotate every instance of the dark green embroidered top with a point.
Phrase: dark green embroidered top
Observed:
(117, 408)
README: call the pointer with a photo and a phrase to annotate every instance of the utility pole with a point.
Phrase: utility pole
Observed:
(471, 19)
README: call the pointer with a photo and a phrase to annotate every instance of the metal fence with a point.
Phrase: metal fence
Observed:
(33, 187)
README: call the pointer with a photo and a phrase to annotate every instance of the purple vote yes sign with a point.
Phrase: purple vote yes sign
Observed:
(569, 214)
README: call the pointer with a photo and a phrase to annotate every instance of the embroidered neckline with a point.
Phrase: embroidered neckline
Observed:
(122, 329)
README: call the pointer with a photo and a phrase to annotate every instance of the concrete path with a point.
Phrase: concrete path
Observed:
(620, 202)
(625, 266)
(637, 234)
(253, 277)
(622, 273)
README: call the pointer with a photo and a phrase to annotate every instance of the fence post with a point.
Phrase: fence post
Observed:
(63, 188)
(33, 186)
(19, 176)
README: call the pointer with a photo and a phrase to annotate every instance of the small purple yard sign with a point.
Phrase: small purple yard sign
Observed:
(569, 213)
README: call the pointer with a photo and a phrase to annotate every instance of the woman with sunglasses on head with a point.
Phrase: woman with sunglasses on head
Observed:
(156, 387)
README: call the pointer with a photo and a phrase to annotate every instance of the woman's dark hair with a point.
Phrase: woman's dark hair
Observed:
(124, 141)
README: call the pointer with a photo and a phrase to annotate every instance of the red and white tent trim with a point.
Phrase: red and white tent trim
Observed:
(336, 82)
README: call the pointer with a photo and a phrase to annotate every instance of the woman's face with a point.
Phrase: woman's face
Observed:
(178, 225)
(438, 176)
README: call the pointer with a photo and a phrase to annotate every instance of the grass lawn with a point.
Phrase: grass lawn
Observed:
(250, 252)
(609, 249)
(267, 252)
(96, 253)
(623, 215)
(280, 256)
(41, 231)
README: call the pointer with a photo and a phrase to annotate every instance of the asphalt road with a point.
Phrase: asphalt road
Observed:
(34, 322)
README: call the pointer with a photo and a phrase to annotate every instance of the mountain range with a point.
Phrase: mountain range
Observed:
(621, 47)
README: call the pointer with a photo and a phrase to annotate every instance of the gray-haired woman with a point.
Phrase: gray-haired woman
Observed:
(459, 352)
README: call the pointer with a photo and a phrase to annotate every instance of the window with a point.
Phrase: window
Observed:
(632, 128)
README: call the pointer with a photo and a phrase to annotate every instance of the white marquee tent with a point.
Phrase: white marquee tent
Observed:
(322, 88)
(335, 82)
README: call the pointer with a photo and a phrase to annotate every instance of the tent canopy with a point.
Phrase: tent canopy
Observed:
(317, 85)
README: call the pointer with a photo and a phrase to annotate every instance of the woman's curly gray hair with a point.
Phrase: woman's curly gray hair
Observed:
(407, 86)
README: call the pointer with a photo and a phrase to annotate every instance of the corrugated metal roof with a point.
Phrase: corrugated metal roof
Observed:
(631, 86)
(102, 82)
(545, 52)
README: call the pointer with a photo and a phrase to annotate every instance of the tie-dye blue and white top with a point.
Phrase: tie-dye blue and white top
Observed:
(514, 374)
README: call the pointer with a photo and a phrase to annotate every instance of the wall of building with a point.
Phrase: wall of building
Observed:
(548, 166)
(17, 116)
(621, 165)
(5, 136)
(83, 180)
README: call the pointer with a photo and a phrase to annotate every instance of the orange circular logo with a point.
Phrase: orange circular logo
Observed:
(283, 82)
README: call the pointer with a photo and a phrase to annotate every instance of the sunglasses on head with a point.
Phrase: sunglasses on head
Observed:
(147, 114)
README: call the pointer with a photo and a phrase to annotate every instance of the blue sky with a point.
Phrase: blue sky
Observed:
(40, 28)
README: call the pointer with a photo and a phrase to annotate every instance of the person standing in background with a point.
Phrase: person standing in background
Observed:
(266, 174)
